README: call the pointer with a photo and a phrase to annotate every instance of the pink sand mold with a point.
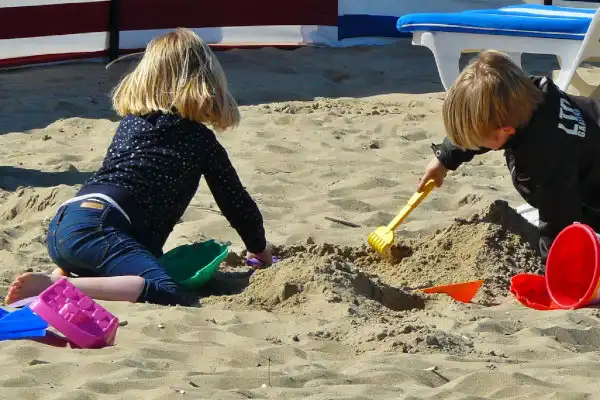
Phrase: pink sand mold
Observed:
(84, 322)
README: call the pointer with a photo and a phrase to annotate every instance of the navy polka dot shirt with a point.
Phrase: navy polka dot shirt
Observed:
(153, 168)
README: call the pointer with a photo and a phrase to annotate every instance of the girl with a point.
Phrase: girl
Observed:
(112, 233)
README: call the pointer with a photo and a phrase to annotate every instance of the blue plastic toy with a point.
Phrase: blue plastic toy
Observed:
(21, 324)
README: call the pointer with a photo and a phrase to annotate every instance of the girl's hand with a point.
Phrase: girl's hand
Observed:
(435, 170)
(265, 256)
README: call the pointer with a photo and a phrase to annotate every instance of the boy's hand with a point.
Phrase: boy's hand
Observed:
(435, 170)
(266, 256)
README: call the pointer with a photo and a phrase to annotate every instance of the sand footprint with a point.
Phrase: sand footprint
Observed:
(279, 149)
(117, 386)
(160, 354)
(352, 205)
(23, 381)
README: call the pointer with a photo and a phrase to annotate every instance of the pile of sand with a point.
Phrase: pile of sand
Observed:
(493, 245)
(352, 307)
(371, 299)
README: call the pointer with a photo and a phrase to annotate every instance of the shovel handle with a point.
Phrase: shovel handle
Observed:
(413, 202)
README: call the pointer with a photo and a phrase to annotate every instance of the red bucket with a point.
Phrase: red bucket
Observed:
(573, 267)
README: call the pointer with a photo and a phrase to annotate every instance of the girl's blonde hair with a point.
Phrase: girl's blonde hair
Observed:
(492, 92)
(178, 74)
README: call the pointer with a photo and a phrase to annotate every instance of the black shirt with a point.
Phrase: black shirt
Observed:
(153, 168)
(554, 161)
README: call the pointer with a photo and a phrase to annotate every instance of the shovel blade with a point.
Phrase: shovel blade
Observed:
(463, 292)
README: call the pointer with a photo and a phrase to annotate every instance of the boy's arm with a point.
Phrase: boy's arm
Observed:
(452, 156)
(232, 198)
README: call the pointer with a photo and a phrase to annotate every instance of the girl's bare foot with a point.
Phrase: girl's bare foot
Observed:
(28, 285)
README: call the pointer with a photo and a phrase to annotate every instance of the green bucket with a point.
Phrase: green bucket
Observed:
(192, 265)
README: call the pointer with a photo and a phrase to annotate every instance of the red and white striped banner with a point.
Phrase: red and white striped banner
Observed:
(34, 31)
(52, 30)
(227, 22)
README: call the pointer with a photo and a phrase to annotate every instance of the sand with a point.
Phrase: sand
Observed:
(326, 133)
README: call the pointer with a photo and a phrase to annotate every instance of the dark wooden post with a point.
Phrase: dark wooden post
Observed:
(113, 30)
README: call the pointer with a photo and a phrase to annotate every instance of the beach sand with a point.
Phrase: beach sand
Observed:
(339, 133)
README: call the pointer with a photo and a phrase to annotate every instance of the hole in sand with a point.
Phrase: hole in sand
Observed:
(391, 297)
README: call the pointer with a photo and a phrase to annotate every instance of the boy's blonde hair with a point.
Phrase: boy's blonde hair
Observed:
(178, 74)
(492, 92)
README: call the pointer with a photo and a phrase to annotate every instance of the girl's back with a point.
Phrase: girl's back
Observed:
(152, 170)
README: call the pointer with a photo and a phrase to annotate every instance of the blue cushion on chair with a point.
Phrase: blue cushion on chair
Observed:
(523, 20)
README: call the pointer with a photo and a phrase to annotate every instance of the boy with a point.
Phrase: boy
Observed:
(551, 140)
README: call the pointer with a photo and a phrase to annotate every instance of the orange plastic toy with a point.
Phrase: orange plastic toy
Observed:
(530, 290)
(463, 292)
(572, 273)
(573, 267)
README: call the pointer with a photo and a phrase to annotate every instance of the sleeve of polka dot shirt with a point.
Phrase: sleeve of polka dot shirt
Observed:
(232, 198)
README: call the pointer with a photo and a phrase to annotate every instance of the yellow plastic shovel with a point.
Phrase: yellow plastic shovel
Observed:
(382, 238)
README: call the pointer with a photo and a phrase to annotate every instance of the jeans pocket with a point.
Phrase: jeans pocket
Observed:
(81, 239)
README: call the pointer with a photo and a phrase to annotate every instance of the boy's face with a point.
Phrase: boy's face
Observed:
(498, 138)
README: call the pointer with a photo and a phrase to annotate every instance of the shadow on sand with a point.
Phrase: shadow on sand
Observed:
(256, 76)
(13, 177)
(226, 283)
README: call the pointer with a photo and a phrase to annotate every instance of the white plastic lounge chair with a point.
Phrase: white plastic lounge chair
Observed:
(572, 34)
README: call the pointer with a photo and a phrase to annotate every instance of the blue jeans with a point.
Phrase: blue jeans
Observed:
(91, 238)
